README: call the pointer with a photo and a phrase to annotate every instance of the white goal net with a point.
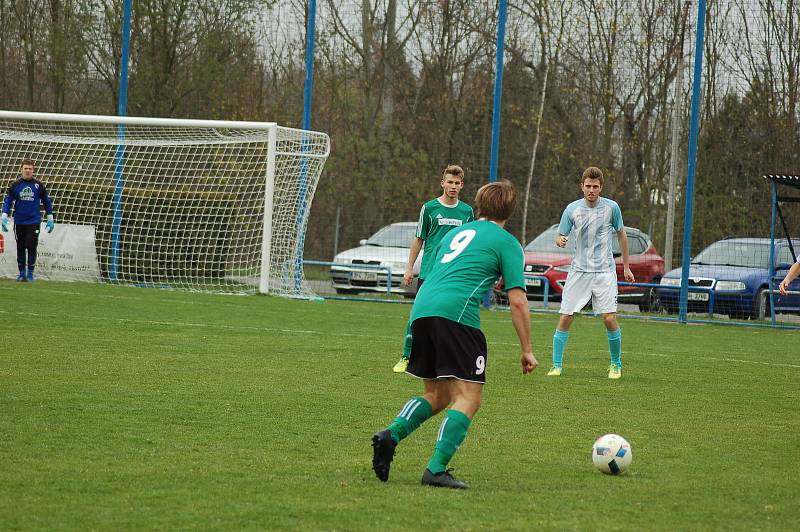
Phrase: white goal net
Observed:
(209, 206)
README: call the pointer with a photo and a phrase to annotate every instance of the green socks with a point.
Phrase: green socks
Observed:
(413, 414)
(451, 434)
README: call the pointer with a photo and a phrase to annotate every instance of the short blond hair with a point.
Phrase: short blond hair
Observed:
(592, 172)
(453, 170)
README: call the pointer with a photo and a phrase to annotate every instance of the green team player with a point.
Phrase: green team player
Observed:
(449, 350)
(437, 217)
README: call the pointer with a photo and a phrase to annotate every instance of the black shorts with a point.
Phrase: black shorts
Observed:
(26, 235)
(442, 348)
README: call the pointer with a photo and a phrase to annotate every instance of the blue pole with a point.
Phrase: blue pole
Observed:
(309, 81)
(496, 106)
(498, 90)
(692, 156)
(122, 110)
(307, 95)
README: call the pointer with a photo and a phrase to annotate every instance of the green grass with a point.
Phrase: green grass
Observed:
(124, 408)
(317, 273)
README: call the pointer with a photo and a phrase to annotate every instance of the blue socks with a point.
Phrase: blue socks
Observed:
(559, 342)
(615, 346)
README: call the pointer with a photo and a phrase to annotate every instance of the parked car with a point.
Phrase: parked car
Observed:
(544, 259)
(736, 270)
(364, 269)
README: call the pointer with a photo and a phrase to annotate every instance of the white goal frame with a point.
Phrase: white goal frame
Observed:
(290, 152)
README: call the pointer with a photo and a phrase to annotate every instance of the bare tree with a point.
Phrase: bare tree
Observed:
(549, 24)
(31, 38)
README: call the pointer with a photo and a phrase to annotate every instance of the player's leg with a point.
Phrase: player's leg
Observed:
(560, 338)
(402, 364)
(467, 401)
(416, 410)
(614, 336)
(574, 297)
(462, 355)
(19, 236)
(604, 300)
(32, 244)
(414, 413)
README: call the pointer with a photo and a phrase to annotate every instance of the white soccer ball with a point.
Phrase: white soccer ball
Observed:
(611, 454)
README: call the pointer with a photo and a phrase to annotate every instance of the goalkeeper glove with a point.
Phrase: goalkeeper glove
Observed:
(5, 222)
(50, 225)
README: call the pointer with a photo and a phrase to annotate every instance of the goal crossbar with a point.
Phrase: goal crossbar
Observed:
(133, 120)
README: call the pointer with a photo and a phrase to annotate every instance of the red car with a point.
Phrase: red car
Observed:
(544, 259)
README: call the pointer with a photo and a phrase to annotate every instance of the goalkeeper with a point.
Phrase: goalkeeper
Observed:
(436, 218)
(26, 194)
(449, 350)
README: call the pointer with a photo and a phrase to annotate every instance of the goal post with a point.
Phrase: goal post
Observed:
(201, 205)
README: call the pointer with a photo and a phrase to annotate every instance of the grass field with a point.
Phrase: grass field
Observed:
(125, 408)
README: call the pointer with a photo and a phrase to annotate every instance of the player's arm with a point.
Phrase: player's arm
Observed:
(794, 271)
(520, 318)
(423, 227)
(413, 253)
(46, 201)
(9, 197)
(622, 236)
(564, 227)
(48, 208)
(6, 208)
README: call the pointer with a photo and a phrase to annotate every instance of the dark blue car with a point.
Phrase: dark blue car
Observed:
(734, 277)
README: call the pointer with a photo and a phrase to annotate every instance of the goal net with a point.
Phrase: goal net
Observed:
(210, 206)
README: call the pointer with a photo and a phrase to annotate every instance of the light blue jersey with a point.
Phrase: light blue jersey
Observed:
(593, 231)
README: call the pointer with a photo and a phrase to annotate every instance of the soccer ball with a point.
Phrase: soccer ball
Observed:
(612, 454)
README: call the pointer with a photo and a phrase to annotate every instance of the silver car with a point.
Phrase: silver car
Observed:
(378, 264)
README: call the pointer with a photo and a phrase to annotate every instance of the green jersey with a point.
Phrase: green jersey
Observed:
(436, 220)
(467, 263)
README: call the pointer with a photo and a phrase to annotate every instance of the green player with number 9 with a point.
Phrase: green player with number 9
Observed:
(449, 350)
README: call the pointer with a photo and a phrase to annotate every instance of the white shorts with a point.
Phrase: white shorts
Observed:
(601, 287)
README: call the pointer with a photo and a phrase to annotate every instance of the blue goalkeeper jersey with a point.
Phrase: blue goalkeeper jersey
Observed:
(27, 198)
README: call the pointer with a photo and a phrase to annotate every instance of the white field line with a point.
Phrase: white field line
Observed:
(715, 359)
(183, 324)
(217, 304)
(40, 315)
(735, 360)
(341, 334)
(312, 332)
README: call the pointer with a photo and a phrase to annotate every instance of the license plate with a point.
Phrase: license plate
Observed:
(364, 276)
(698, 296)
(533, 282)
